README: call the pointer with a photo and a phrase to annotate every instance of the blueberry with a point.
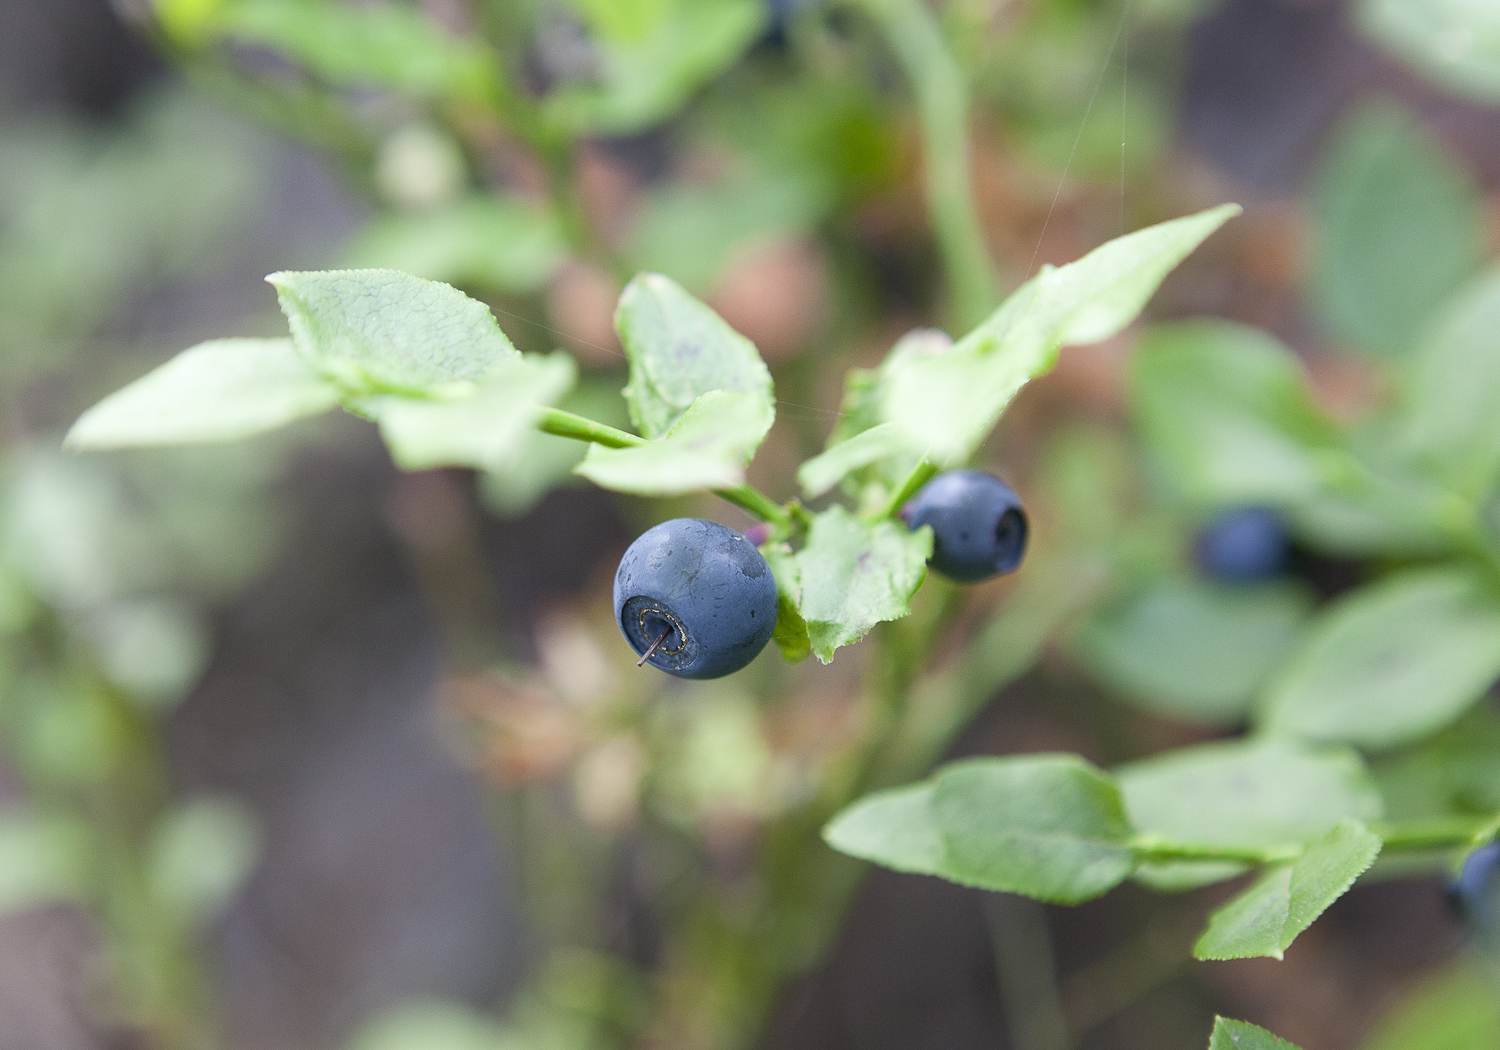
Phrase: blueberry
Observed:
(1243, 546)
(978, 524)
(700, 589)
(1476, 892)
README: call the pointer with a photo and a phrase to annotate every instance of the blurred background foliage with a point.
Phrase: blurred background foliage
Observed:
(302, 753)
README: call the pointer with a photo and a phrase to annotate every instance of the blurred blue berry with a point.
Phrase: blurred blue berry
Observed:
(1476, 892)
(701, 592)
(978, 524)
(1243, 546)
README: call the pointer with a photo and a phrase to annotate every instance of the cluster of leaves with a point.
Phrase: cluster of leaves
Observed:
(1393, 667)
(99, 641)
(432, 368)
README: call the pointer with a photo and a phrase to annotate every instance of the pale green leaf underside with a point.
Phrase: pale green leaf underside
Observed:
(1227, 409)
(485, 430)
(392, 44)
(222, 390)
(44, 859)
(1392, 661)
(1450, 419)
(1191, 649)
(946, 401)
(1046, 826)
(707, 448)
(385, 330)
(1284, 901)
(679, 350)
(895, 829)
(492, 242)
(1238, 1035)
(1397, 227)
(1259, 793)
(1456, 43)
(200, 854)
(1455, 1009)
(645, 79)
(824, 471)
(855, 574)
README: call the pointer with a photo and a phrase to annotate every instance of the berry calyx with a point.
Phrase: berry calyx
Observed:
(978, 524)
(695, 599)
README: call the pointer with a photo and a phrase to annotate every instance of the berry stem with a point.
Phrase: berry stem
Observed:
(915, 37)
(921, 474)
(566, 424)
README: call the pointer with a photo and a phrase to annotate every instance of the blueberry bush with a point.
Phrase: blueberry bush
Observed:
(1180, 564)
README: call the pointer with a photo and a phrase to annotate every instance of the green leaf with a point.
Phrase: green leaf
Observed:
(1452, 773)
(882, 461)
(1191, 649)
(1237, 1035)
(896, 829)
(707, 448)
(490, 242)
(693, 232)
(1454, 43)
(679, 350)
(640, 82)
(545, 461)
(1227, 410)
(1244, 793)
(855, 574)
(1267, 917)
(222, 390)
(392, 45)
(1046, 826)
(199, 856)
(486, 429)
(824, 471)
(377, 329)
(1455, 1010)
(435, 1025)
(1450, 418)
(1397, 227)
(189, 22)
(44, 859)
(791, 635)
(1391, 662)
(946, 401)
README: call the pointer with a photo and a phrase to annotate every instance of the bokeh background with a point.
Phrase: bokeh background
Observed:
(352, 758)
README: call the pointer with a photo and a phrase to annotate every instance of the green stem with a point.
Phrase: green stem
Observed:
(566, 424)
(1156, 849)
(915, 37)
(1443, 833)
(752, 501)
(1416, 837)
(921, 474)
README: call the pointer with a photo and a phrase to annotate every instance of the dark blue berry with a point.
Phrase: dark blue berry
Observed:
(1476, 892)
(1243, 546)
(701, 593)
(978, 524)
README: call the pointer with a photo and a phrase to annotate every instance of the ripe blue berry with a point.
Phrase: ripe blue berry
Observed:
(978, 524)
(1243, 546)
(1476, 891)
(701, 593)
